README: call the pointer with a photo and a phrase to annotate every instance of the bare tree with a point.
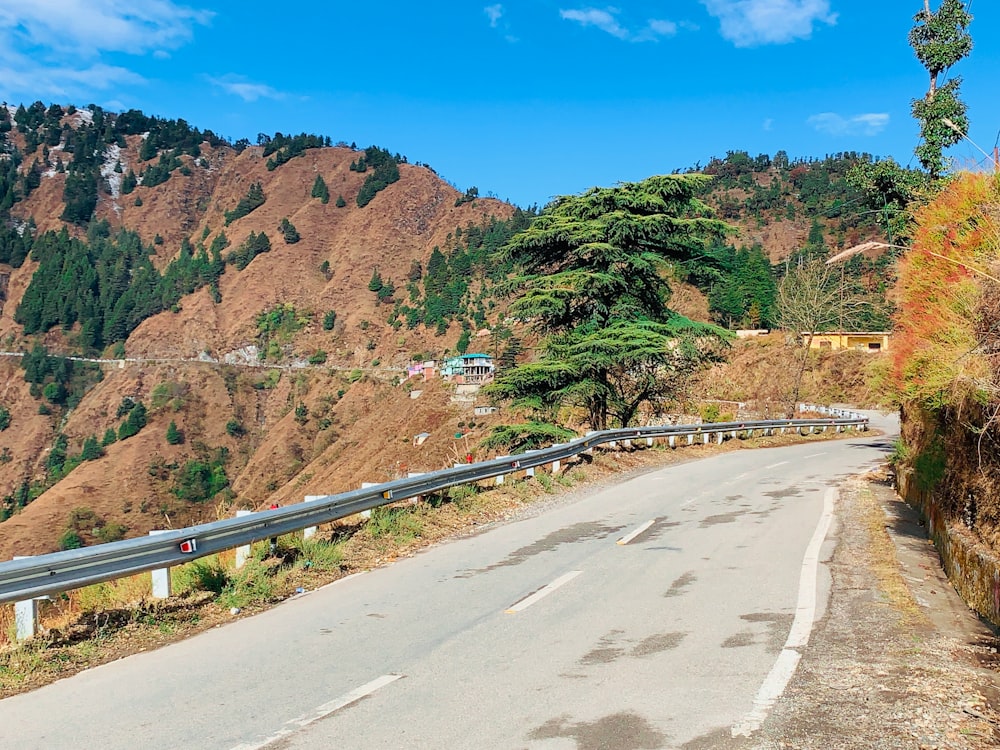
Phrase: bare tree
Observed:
(812, 298)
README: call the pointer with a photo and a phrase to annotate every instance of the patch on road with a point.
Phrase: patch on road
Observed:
(578, 532)
(623, 731)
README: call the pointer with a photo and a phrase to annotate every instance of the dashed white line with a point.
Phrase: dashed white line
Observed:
(775, 466)
(805, 613)
(323, 711)
(815, 455)
(629, 537)
(542, 592)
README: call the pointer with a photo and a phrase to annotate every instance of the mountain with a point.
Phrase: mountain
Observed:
(256, 306)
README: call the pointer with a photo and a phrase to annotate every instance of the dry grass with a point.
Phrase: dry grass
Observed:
(884, 562)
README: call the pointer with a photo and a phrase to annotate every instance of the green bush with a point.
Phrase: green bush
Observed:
(4, 418)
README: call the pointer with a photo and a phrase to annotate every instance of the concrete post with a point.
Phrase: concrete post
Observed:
(705, 438)
(720, 437)
(590, 451)
(415, 500)
(310, 531)
(26, 614)
(612, 445)
(557, 464)
(627, 444)
(365, 486)
(243, 553)
(691, 439)
(161, 576)
(672, 441)
(649, 442)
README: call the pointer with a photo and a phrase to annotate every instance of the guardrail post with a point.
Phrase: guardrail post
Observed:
(310, 531)
(160, 576)
(25, 614)
(649, 442)
(556, 465)
(365, 486)
(530, 472)
(627, 444)
(242, 553)
(720, 436)
(705, 438)
(415, 500)
(691, 439)
(672, 441)
(590, 451)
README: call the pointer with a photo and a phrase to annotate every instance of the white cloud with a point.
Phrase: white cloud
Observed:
(494, 13)
(603, 19)
(246, 90)
(768, 124)
(834, 124)
(663, 28)
(747, 23)
(89, 27)
(53, 48)
(607, 20)
(62, 83)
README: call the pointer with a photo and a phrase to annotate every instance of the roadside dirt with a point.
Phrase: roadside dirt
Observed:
(898, 662)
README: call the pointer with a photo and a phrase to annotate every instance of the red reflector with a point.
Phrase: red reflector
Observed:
(188, 546)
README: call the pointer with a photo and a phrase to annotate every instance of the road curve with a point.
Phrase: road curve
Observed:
(648, 614)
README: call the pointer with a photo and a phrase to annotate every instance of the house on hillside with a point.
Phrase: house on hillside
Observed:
(866, 341)
(469, 369)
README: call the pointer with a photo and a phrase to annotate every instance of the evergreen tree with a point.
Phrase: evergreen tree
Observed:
(288, 231)
(375, 284)
(109, 437)
(91, 450)
(174, 436)
(319, 190)
(340, 201)
(592, 278)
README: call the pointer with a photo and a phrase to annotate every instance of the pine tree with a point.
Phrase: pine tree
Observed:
(91, 450)
(319, 190)
(340, 201)
(174, 436)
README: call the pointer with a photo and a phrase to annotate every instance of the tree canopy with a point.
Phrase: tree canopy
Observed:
(591, 276)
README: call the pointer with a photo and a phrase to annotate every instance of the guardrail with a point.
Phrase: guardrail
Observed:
(33, 577)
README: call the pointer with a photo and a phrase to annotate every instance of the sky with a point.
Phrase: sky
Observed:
(524, 99)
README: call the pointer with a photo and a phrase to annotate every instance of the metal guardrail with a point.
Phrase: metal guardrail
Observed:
(53, 573)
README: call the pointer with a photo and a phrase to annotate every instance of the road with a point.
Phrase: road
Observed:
(543, 633)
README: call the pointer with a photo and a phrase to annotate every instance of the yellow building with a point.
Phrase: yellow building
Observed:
(867, 341)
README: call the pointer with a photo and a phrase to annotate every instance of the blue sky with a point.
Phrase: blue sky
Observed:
(525, 100)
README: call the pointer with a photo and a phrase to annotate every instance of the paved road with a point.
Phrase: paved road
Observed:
(543, 633)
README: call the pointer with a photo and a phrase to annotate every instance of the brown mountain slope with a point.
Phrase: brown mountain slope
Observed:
(363, 435)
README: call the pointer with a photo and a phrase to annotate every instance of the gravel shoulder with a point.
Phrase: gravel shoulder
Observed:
(898, 661)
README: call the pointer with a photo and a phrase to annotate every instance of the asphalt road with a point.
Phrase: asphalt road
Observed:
(543, 633)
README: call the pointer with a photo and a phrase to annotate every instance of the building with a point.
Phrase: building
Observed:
(866, 341)
(469, 369)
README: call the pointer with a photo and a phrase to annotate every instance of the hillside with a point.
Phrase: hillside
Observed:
(258, 305)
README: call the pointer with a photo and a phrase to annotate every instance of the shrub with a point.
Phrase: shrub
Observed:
(69, 539)
(4, 418)
(318, 358)
(234, 428)
(329, 320)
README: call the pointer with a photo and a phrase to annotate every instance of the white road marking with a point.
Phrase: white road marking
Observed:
(629, 537)
(323, 711)
(805, 613)
(775, 466)
(542, 592)
(815, 455)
